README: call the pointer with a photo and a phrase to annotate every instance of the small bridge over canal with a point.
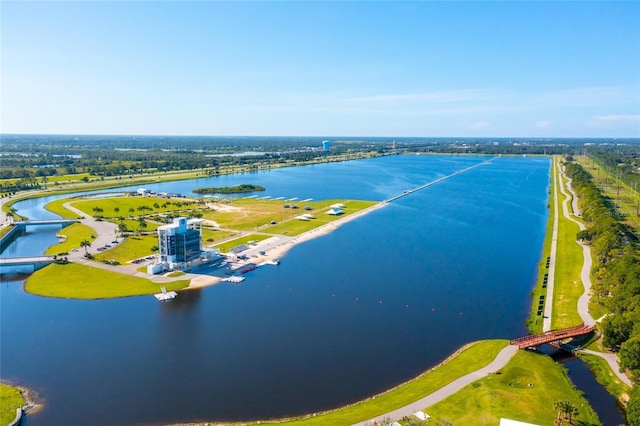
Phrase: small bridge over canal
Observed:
(551, 336)
(37, 262)
(22, 224)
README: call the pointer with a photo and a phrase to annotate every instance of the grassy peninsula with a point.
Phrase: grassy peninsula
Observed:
(10, 400)
(87, 282)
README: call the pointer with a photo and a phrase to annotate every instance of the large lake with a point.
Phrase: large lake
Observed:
(344, 316)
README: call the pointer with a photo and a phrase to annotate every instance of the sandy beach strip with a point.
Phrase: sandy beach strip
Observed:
(280, 250)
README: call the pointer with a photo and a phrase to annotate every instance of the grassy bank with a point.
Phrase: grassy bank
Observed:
(535, 321)
(470, 359)
(73, 235)
(525, 390)
(10, 400)
(606, 377)
(568, 284)
(75, 281)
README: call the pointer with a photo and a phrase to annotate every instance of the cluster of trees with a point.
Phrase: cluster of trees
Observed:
(238, 189)
(616, 270)
(621, 160)
(36, 156)
(40, 155)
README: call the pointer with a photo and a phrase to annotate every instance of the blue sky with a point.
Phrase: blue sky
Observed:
(503, 69)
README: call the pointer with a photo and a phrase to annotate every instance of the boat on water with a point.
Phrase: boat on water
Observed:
(248, 269)
(165, 296)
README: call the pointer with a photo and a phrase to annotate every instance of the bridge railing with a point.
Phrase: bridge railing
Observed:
(551, 336)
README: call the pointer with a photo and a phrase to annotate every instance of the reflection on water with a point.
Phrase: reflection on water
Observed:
(606, 405)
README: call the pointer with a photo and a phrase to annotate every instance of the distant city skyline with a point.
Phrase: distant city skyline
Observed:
(386, 69)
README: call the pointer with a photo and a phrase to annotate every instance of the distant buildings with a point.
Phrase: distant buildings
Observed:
(326, 145)
(180, 243)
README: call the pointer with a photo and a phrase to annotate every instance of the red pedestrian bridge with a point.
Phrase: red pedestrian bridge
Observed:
(551, 336)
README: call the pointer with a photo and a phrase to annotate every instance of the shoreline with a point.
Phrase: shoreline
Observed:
(279, 251)
(30, 398)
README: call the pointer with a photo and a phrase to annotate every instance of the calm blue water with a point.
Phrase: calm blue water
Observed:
(343, 317)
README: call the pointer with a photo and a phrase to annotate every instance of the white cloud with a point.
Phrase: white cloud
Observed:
(543, 124)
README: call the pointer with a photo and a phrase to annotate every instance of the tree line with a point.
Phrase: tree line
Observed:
(615, 273)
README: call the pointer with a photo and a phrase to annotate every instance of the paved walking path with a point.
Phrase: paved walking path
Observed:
(105, 233)
(585, 276)
(499, 362)
(548, 306)
(505, 355)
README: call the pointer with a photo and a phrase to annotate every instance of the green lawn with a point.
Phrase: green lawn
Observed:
(124, 204)
(472, 358)
(131, 248)
(74, 233)
(295, 227)
(568, 286)
(228, 245)
(535, 321)
(604, 375)
(247, 214)
(10, 400)
(526, 390)
(58, 208)
(216, 235)
(5, 230)
(75, 281)
(134, 225)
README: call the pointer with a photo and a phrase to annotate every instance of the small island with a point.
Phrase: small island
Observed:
(238, 189)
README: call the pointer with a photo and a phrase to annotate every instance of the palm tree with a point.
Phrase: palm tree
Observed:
(86, 244)
(142, 223)
(566, 410)
(116, 210)
(122, 227)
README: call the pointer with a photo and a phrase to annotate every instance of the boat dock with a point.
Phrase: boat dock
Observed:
(165, 295)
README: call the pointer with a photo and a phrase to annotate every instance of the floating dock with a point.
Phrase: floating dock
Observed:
(165, 296)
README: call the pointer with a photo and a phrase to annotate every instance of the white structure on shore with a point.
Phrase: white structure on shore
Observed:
(180, 243)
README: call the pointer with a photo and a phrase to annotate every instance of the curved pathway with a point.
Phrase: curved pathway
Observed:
(499, 362)
(585, 276)
(105, 232)
(505, 355)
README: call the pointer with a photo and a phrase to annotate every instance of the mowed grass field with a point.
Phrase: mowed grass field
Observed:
(568, 285)
(147, 205)
(77, 281)
(74, 234)
(10, 400)
(58, 208)
(237, 214)
(525, 390)
(246, 240)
